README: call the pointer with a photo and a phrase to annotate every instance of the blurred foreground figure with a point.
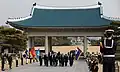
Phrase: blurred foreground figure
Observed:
(108, 49)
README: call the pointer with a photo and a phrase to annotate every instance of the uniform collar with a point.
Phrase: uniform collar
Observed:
(108, 37)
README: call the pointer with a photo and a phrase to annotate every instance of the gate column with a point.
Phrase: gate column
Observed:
(49, 43)
(46, 44)
(85, 46)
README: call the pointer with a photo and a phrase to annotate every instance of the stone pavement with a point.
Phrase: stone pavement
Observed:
(79, 66)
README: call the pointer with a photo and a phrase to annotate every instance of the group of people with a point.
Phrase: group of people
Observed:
(55, 59)
(8, 58)
(50, 59)
(4, 59)
(92, 62)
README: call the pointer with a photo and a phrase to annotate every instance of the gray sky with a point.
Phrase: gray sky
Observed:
(21, 8)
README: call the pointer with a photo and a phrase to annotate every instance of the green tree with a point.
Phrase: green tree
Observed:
(13, 39)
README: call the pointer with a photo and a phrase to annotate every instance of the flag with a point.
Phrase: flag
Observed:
(32, 52)
(78, 52)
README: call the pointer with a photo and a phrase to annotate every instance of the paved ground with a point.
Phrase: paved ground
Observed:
(79, 66)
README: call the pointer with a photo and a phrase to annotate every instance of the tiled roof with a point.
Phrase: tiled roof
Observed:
(62, 17)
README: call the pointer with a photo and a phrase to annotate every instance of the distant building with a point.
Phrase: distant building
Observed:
(62, 21)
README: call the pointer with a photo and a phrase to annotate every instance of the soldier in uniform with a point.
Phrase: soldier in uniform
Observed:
(66, 59)
(108, 49)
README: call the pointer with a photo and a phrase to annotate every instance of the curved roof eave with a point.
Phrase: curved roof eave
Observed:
(110, 18)
(36, 6)
(18, 19)
(22, 26)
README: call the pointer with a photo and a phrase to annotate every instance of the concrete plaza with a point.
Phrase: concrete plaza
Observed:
(79, 66)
